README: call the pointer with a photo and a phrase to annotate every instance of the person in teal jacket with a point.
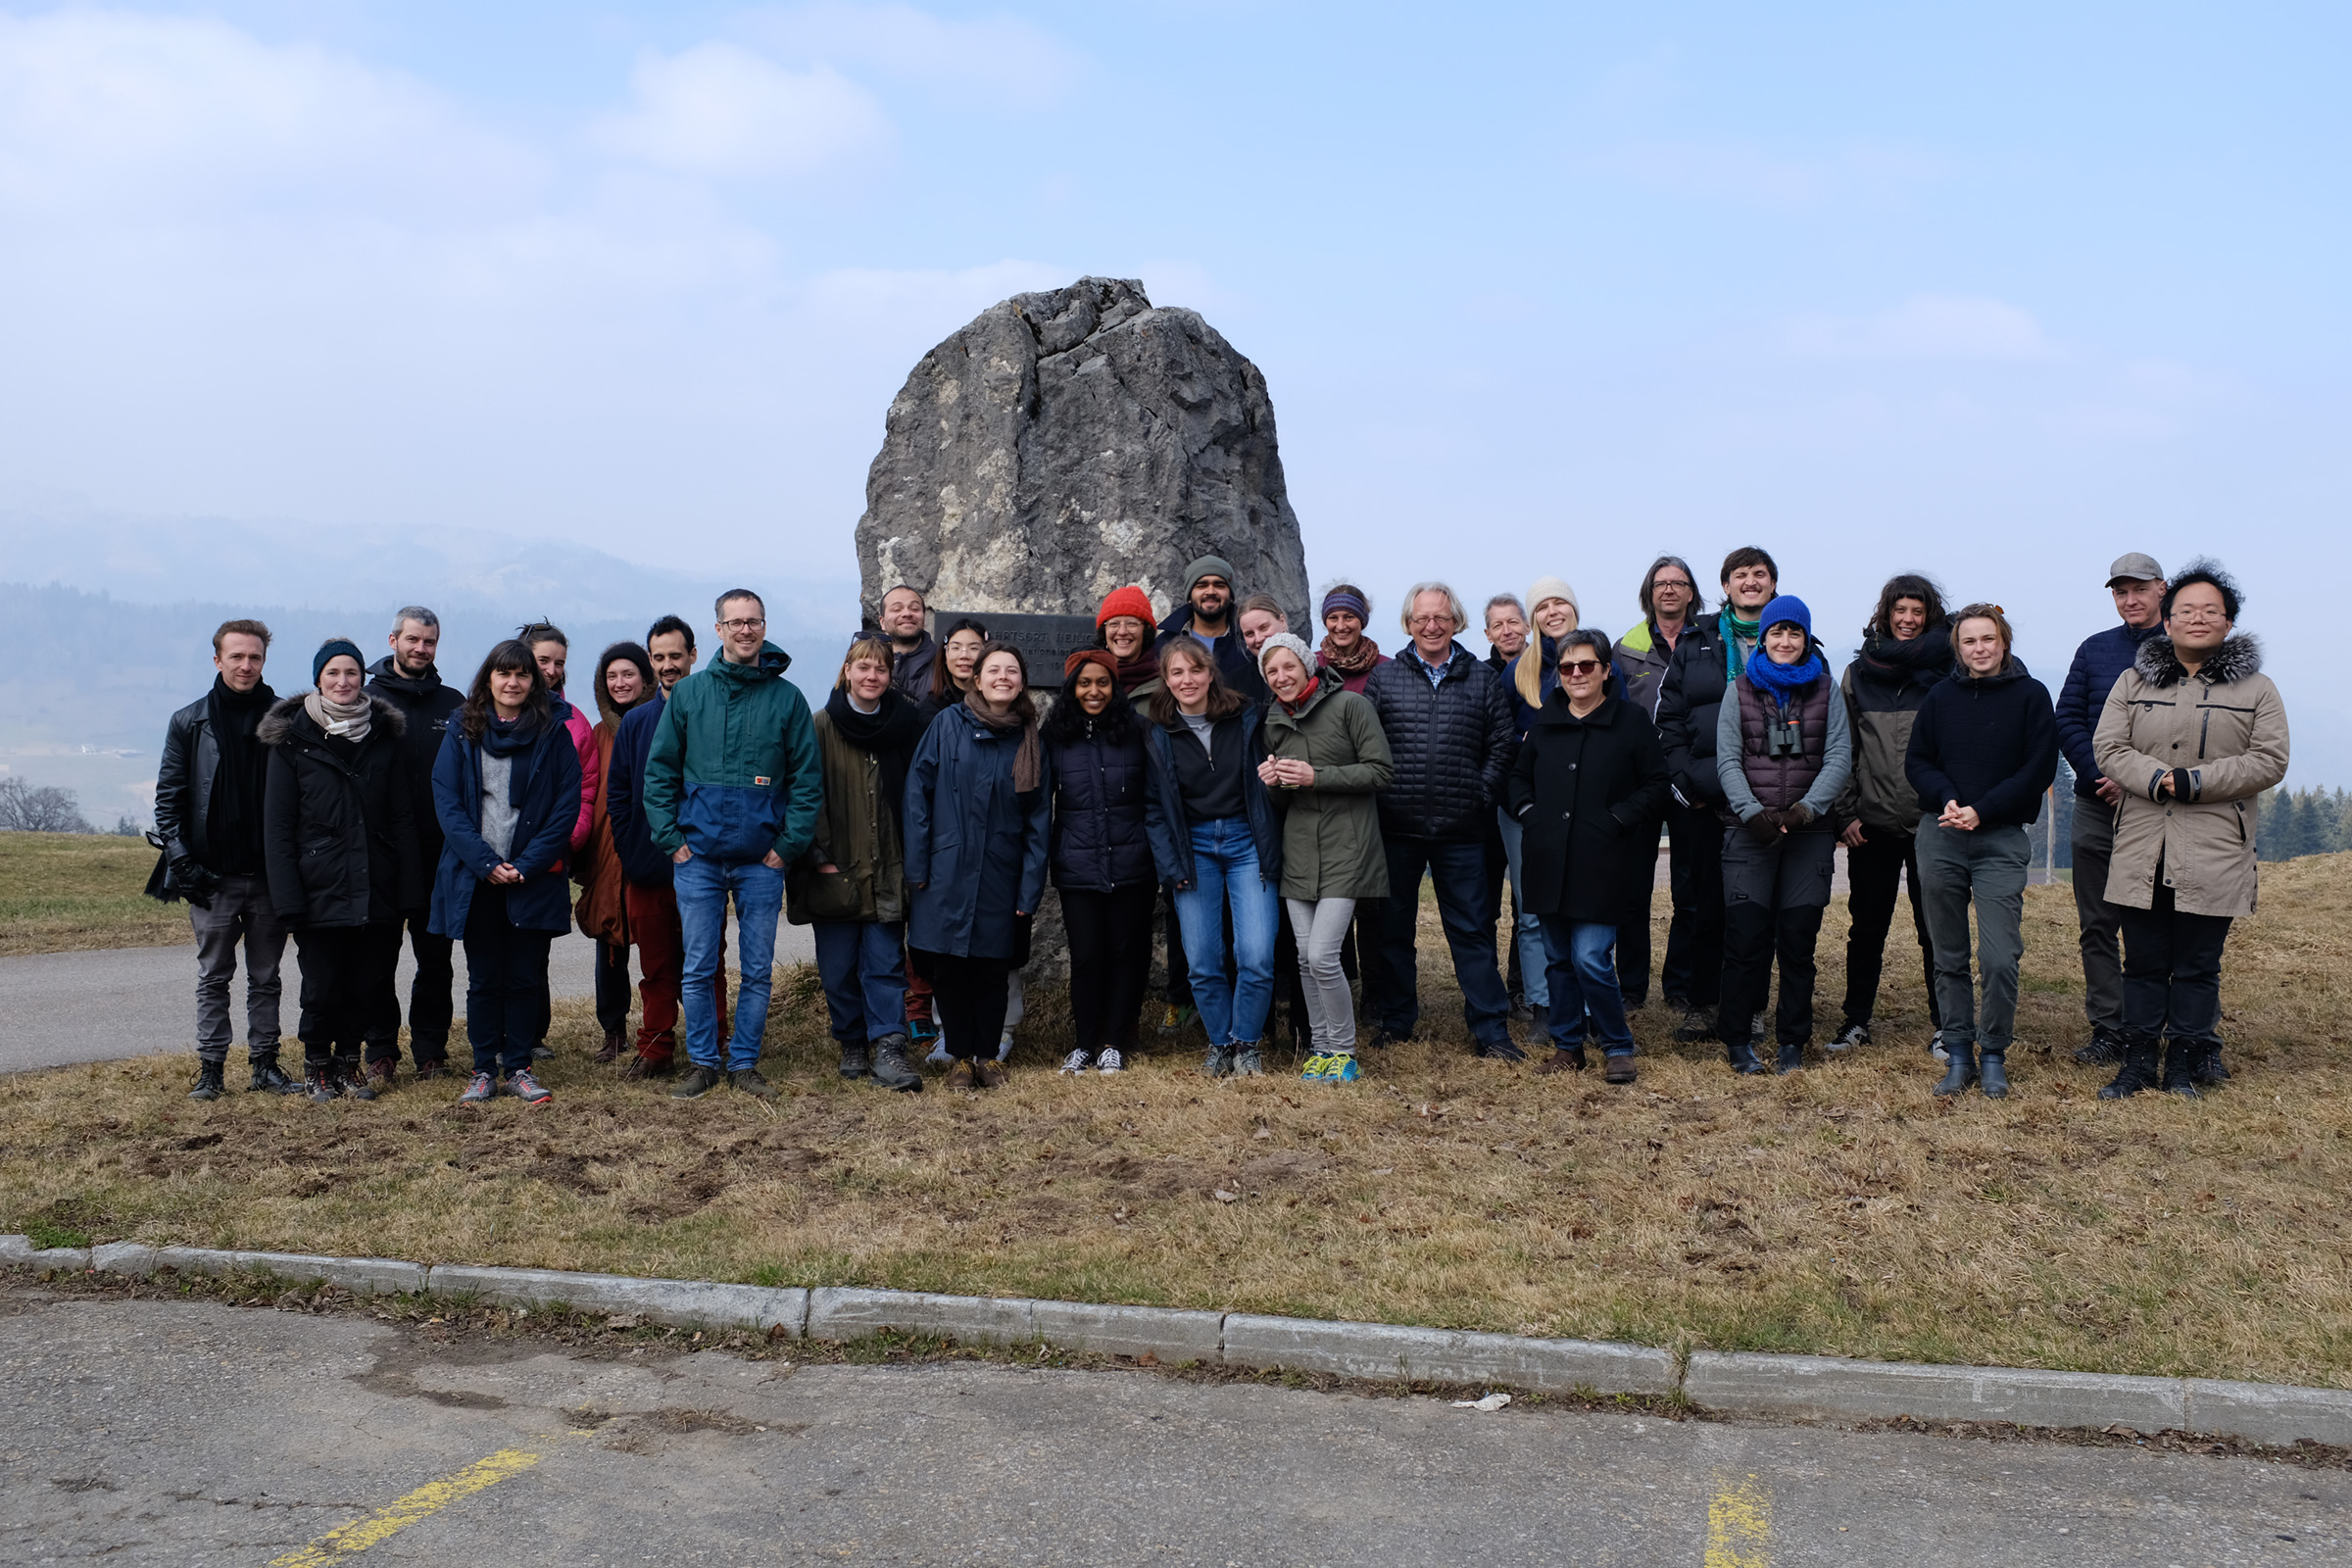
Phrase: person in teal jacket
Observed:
(733, 786)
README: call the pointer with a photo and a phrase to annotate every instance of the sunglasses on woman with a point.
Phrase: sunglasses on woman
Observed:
(1579, 667)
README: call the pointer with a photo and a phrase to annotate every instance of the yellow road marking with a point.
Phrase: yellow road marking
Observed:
(1739, 1524)
(423, 1504)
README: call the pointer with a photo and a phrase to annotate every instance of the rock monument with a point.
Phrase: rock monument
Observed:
(1065, 443)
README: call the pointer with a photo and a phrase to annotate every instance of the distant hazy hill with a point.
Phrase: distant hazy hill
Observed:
(108, 625)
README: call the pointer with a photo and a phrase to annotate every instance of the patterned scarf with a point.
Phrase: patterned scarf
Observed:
(1364, 656)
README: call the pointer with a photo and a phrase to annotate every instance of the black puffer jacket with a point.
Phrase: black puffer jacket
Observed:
(1689, 703)
(1099, 783)
(1450, 744)
(338, 833)
(428, 707)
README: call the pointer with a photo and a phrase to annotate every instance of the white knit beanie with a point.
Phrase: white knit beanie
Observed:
(1296, 644)
(1552, 588)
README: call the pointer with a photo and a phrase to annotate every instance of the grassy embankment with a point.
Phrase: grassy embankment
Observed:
(1840, 1210)
(68, 892)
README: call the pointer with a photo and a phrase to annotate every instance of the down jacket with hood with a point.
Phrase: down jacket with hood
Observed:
(1331, 845)
(338, 827)
(2222, 735)
(1449, 745)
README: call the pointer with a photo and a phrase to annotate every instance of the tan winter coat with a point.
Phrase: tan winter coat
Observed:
(2228, 728)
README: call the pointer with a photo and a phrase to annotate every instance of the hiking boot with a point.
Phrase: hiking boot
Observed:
(1693, 1028)
(526, 1087)
(351, 1078)
(319, 1082)
(1504, 1050)
(542, 1052)
(207, 1084)
(610, 1051)
(854, 1063)
(431, 1068)
(1619, 1068)
(480, 1091)
(1113, 1060)
(1247, 1062)
(1218, 1063)
(1960, 1070)
(1791, 1057)
(959, 1074)
(379, 1076)
(1993, 1075)
(1562, 1060)
(2104, 1050)
(747, 1081)
(1177, 1018)
(1743, 1059)
(698, 1082)
(991, 1074)
(1383, 1036)
(1078, 1060)
(2181, 1060)
(2138, 1071)
(2208, 1068)
(269, 1078)
(1856, 1034)
(891, 1069)
(642, 1065)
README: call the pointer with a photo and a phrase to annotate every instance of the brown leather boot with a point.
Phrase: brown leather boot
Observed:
(1562, 1061)
(959, 1074)
(610, 1051)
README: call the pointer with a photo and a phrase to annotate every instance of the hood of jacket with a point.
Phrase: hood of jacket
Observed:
(2013, 669)
(771, 665)
(387, 673)
(277, 725)
(2236, 659)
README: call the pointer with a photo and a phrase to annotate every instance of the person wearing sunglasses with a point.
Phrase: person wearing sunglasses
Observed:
(1589, 780)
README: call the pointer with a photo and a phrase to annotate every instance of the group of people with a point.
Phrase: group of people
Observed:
(1274, 806)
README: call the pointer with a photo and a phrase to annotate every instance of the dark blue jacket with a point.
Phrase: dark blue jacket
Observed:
(546, 787)
(2103, 657)
(1451, 742)
(1099, 841)
(1987, 743)
(1172, 831)
(641, 859)
(1232, 655)
(976, 848)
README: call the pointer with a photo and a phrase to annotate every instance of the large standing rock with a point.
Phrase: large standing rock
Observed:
(1065, 443)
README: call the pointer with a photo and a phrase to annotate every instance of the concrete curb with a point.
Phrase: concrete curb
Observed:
(1737, 1383)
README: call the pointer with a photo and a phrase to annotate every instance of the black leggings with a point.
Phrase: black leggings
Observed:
(1873, 868)
(1110, 962)
(971, 996)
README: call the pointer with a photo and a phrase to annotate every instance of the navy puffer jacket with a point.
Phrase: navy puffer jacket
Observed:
(1099, 842)
(1450, 742)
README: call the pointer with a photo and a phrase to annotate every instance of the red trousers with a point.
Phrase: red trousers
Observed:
(661, 955)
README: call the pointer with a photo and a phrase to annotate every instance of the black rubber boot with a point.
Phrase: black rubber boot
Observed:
(891, 1070)
(1743, 1058)
(1960, 1070)
(1791, 1057)
(1993, 1074)
(2181, 1060)
(208, 1082)
(269, 1078)
(2139, 1070)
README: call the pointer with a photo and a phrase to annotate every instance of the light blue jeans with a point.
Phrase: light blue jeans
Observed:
(704, 886)
(1233, 1011)
(1535, 977)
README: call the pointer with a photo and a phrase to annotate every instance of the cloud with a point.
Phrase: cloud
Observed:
(718, 109)
(1926, 326)
(1011, 59)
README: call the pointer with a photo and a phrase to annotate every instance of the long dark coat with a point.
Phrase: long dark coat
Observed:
(338, 836)
(1584, 789)
(975, 846)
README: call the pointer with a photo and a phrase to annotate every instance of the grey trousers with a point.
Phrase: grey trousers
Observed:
(1322, 929)
(241, 911)
(2093, 840)
(1987, 868)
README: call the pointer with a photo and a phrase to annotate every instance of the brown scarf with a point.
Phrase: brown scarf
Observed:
(1020, 714)
(1366, 655)
(1133, 673)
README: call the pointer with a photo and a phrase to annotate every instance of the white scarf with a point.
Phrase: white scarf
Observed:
(347, 719)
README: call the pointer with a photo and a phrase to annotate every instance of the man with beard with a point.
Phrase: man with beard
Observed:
(407, 679)
(911, 649)
(1207, 615)
(208, 813)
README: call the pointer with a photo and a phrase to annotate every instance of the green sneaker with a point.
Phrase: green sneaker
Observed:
(1341, 1069)
(1317, 1066)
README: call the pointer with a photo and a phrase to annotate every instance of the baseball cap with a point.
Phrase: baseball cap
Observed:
(2134, 567)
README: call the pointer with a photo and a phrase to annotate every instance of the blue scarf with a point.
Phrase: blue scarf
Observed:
(1783, 682)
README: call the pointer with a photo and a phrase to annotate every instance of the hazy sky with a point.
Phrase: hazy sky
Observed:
(1998, 292)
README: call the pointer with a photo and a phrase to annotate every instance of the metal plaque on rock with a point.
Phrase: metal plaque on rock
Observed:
(1044, 641)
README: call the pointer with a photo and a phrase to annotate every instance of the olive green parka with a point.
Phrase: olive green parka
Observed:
(1331, 844)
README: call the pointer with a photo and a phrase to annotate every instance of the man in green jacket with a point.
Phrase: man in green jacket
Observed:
(732, 787)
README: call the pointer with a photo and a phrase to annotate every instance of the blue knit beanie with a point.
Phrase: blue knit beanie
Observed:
(1786, 606)
(330, 649)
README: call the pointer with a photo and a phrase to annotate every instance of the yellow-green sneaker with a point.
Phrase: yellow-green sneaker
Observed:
(1341, 1069)
(1316, 1065)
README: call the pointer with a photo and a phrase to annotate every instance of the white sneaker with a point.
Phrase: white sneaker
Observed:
(1936, 1047)
(1110, 1060)
(1078, 1060)
(1005, 1047)
(939, 1056)
(1856, 1034)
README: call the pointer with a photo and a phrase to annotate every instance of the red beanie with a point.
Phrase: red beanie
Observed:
(1127, 601)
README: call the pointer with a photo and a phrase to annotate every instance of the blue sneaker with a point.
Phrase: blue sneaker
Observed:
(1341, 1069)
(1317, 1066)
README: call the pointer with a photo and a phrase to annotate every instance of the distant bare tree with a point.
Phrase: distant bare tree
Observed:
(48, 809)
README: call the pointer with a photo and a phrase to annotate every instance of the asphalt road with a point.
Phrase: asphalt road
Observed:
(145, 1432)
(62, 1007)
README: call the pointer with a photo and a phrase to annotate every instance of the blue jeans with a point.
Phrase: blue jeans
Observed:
(1233, 1011)
(1459, 870)
(1583, 985)
(704, 886)
(1533, 967)
(864, 965)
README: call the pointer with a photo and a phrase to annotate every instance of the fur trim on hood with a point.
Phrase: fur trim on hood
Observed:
(277, 725)
(2236, 659)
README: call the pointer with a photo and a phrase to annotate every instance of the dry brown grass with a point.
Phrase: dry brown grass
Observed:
(69, 892)
(1840, 1210)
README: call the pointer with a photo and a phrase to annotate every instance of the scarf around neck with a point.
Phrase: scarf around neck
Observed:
(345, 721)
(1734, 629)
(1020, 714)
(505, 737)
(1134, 672)
(1783, 682)
(1366, 655)
(233, 820)
(889, 734)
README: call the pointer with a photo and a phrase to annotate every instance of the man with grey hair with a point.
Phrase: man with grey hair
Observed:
(1450, 735)
(408, 678)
